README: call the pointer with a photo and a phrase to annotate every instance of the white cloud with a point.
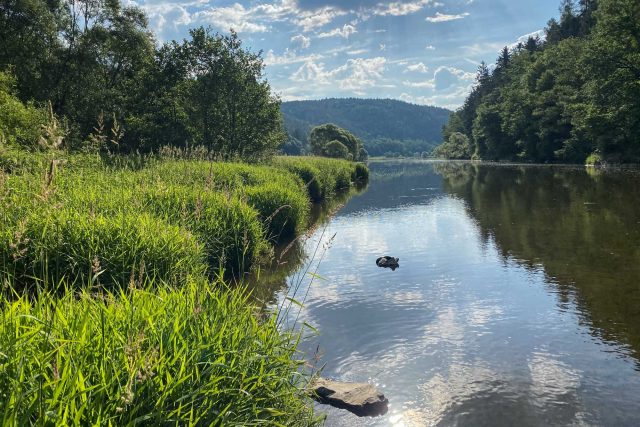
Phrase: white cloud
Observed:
(419, 68)
(356, 74)
(235, 16)
(288, 57)
(398, 8)
(357, 51)
(361, 72)
(426, 84)
(310, 20)
(441, 17)
(344, 32)
(300, 41)
(430, 47)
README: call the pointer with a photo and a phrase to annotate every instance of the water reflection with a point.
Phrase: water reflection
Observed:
(516, 302)
(582, 226)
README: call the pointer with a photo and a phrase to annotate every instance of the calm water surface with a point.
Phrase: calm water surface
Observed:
(517, 300)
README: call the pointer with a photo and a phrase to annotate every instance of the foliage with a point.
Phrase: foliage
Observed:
(560, 100)
(337, 150)
(457, 146)
(97, 61)
(391, 147)
(19, 123)
(594, 159)
(197, 355)
(402, 127)
(329, 140)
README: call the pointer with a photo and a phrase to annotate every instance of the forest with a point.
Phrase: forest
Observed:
(97, 71)
(573, 97)
(386, 126)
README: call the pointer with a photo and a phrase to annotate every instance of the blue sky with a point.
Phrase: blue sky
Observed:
(420, 51)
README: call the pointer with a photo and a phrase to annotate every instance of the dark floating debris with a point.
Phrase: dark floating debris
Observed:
(388, 262)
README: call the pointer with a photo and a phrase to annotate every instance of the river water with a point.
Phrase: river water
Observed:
(517, 300)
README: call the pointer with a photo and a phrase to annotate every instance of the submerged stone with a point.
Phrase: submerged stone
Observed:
(362, 399)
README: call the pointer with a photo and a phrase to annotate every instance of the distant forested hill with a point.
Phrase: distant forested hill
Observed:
(386, 126)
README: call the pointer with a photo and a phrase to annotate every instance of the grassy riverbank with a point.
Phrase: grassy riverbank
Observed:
(113, 305)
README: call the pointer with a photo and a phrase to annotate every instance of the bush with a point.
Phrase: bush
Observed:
(107, 250)
(197, 355)
(19, 123)
(594, 159)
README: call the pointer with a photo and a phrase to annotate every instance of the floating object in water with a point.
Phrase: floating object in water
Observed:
(388, 262)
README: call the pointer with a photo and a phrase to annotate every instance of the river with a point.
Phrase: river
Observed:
(517, 300)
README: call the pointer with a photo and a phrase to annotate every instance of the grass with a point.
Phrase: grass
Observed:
(323, 177)
(80, 215)
(197, 355)
(112, 305)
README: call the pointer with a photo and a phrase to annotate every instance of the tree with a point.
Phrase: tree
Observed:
(457, 146)
(337, 150)
(321, 135)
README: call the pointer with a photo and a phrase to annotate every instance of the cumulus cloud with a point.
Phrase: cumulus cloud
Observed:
(300, 42)
(417, 68)
(445, 77)
(288, 57)
(235, 16)
(441, 17)
(344, 32)
(398, 8)
(356, 74)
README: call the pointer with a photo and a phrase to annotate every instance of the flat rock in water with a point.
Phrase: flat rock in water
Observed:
(362, 399)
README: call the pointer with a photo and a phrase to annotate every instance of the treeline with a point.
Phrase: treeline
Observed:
(112, 86)
(574, 97)
(386, 126)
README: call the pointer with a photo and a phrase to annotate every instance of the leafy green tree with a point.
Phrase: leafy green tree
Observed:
(457, 146)
(337, 150)
(322, 135)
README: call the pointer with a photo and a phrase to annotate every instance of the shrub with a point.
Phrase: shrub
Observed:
(196, 355)
(19, 123)
(594, 159)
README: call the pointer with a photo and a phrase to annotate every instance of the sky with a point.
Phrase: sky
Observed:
(420, 51)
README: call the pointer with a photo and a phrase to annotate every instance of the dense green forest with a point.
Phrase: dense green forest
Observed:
(573, 97)
(108, 84)
(386, 126)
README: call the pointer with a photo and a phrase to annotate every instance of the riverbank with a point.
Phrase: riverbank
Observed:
(114, 308)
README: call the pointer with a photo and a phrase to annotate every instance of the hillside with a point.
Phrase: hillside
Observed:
(385, 125)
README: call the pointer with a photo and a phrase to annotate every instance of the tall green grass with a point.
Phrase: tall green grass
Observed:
(197, 355)
(323, 177)
(81, 214)
(125, 326)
